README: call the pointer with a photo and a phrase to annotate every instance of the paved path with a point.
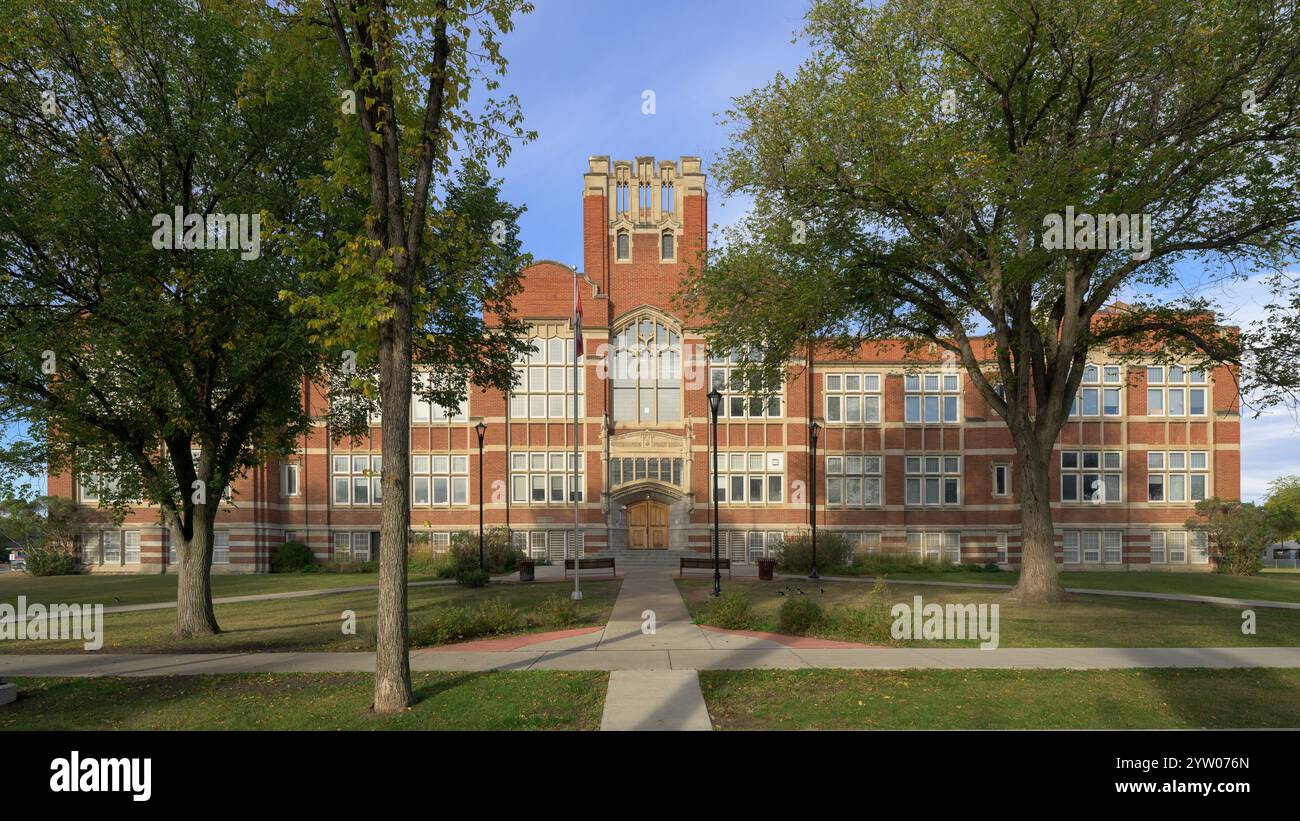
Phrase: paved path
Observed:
(1128, 594)
(655, 700)
(781, 658)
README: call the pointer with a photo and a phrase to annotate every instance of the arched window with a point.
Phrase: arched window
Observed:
(666, 251)
(647, 372)
(624, 245)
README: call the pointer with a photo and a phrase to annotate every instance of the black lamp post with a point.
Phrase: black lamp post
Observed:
(480, 429)
(813, 428)
(715, 402)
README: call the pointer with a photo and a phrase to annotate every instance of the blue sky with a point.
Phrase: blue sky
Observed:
(580, 68)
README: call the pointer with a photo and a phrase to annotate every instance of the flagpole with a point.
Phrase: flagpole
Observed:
(577, 355)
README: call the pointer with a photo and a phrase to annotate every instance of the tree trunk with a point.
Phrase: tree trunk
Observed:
(1039, 582)
(194, 613)
(392, 662)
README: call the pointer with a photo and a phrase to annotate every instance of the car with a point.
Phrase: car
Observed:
(17, 560)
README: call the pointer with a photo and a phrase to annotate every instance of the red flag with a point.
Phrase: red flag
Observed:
(577, 319)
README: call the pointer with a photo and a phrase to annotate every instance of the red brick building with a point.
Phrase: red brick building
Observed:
(910, 458)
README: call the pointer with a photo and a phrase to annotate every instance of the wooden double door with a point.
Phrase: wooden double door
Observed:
(647, 526)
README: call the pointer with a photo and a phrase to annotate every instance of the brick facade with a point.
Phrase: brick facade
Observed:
(631, 282)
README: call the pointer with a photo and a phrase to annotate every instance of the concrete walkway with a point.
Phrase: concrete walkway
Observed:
(778, 658)
(655, 700)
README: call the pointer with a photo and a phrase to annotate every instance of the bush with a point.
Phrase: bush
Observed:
(471, 577)
(870, 623)
(881, 564)
(448, 624)
(498, 616)
(51, 561)
(292, 557)
(795, 552)
(422, 564)
(371, 566)
(556, 610)
(499, 556)
(730, 611)
(799, 614)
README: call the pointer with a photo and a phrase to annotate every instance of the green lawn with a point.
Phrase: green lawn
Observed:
(313, 622)
(106, 589)
(1269, 586)
(1001, 699)
(1080, 621)
(526, 700)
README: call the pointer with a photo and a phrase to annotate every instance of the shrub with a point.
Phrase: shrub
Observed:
(799, 614)
(497, 617)
(731, 610)
(471, 577)
(448, 624)
(51, 561)
(795, 552)
(499, 556)
(556, 610)
(870, 622)
(292, 557)
(422, 564)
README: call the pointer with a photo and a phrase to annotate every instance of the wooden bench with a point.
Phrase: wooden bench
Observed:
(693, 563)
(591, 564)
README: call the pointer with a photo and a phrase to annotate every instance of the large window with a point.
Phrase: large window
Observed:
(108, 548)
(647, 372)
(440, 479)
(542, 477)
(353, 545)
(932, 480)
(853, 481)
(1174, 391)
(638, 468)
(740, 401)
(1177, 475)
(1091, 476)
(935, 546)
(1094, 397)
(931, 398)
(1180, 547)
(852, 398)
(751, 478)
(92, 485)
(424, 413)
(1093, 546)
(356, 479)
(544, 382)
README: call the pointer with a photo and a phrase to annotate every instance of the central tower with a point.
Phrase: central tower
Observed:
(644, 226)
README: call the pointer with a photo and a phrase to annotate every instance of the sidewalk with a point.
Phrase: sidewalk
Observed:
(737, 658)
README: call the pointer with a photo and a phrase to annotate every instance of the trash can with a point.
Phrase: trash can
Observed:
(527, 572)
(765, 568)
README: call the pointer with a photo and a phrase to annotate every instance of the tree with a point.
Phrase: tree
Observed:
(911, 181)
(155, 362)
(407, 69)
(51, 522)
(1238, 532)
(1283, 500)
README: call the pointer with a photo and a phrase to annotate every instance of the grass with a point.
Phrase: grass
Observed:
(1080, 621)
(526, 700)
(1001, 699)
(1270, 585)
(311, 623)
(105, 589)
